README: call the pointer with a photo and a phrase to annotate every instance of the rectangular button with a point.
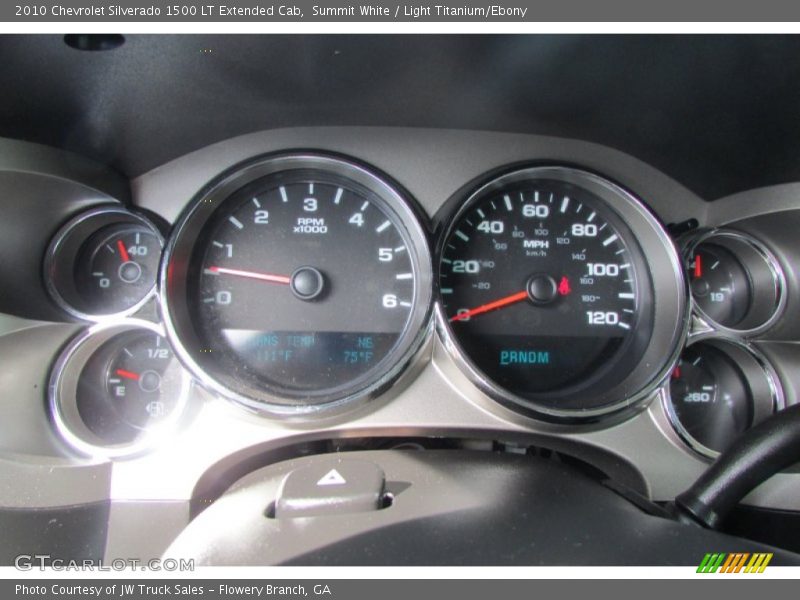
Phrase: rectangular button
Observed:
(330, 487)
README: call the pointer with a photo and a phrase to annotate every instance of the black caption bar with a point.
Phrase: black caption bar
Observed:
(348, 589)
(388, 11)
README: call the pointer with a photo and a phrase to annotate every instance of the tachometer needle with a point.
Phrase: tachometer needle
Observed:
(282, 279)
(123, 252)
(127, 374)
(698, 267)
(512, 299)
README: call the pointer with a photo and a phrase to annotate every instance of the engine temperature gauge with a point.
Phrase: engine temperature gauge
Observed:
(710, 397)
(719, 388)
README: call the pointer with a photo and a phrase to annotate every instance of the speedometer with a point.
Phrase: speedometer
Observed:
(298, 283)
(559, 293)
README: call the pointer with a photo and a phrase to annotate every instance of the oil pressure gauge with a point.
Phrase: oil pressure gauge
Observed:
(103, 264)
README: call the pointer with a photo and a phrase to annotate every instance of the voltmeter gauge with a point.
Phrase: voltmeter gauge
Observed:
(547, 300)
(117, 388)
(103, 264)
(737, 283)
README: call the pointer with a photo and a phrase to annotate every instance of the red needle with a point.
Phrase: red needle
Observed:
(698, 267)
(512, 299)
(127, 374)
(253, 275)
(123, 252)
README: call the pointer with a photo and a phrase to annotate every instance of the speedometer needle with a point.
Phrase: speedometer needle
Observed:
(269, 277)
(507, 300)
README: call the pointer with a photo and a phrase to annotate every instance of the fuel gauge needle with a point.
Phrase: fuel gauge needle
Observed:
(127, 374)
(268, 277)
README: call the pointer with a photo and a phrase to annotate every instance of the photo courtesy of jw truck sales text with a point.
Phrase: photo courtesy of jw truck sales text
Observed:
(139, 590)
(361, 300)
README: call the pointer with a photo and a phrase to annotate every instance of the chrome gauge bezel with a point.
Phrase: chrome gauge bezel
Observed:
(772, 267)
(670, 312)
(63, 401)
(75, 233)
(761, 377)
(175, 265)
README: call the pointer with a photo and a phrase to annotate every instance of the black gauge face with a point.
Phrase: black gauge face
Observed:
(737, 283)
(720, 284)
(131, 384)
(117, 268)
(545, 291)
(710, 397)
(304, 287)
(103, 263)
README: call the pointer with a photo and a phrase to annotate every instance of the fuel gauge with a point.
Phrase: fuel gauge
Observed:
(140, 386)
(117, 388)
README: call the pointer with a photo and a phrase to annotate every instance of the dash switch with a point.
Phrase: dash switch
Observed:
(331, 487)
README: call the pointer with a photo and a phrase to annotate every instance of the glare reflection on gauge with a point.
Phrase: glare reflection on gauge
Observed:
(117, 388)
(719, 388)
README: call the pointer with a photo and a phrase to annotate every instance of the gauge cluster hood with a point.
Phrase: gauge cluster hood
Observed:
(717, 113)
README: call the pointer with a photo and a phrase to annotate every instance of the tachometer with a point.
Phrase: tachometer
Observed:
(547, 297)
(297, 283)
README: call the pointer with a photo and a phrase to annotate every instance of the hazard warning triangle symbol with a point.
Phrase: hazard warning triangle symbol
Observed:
(332, 477)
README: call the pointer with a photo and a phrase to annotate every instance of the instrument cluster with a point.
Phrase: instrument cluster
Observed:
(303, 285)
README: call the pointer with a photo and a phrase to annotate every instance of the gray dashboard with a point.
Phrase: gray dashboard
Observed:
(42, 187)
